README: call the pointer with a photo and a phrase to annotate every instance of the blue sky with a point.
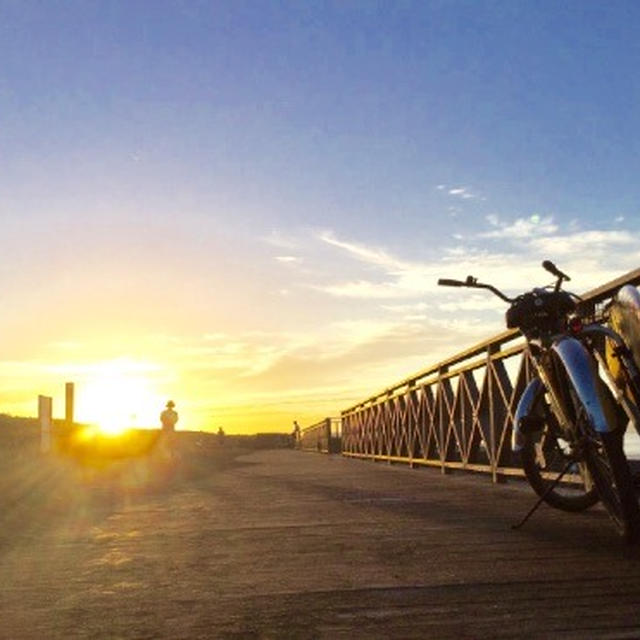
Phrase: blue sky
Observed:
(252, 201)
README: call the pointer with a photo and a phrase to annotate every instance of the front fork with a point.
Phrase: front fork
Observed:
(539, 407)
(539, 402)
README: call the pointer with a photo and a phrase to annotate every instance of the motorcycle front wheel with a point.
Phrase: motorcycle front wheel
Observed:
(546, 454)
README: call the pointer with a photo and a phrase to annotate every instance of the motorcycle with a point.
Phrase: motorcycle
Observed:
(571, 418)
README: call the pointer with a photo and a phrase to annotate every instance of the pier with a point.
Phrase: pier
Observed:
(287, 544)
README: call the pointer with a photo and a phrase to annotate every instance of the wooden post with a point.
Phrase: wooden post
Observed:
(45, 412)
(68, 403)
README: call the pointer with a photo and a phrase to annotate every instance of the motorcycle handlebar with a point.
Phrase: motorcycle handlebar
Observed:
(552, 269)
(447, 282)
(474, 284)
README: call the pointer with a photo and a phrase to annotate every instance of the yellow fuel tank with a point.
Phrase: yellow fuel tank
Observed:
(624, 318)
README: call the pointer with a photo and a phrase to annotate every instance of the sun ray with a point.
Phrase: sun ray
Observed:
(116, 396)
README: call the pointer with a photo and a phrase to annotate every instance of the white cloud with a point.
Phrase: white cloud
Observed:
(521, 228)
(592, 257)
(287, 259)
(473, 302)
(363, 289)
(464, 193)
(600, 242)
(461, 192)
(406, 308)
(409, 311)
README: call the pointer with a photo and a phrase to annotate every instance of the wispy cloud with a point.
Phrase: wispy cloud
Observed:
(401, 321)
(363, 289)
(463, 193)
(281, 240)
(520, 228)
(592, 255)
(586, 241)
(407, 308)
(369, 255)
(472, 302)
(288, 259)
(396, 278)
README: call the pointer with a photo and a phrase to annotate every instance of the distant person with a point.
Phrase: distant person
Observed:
(295, 435)
(168, 419)
(220, 435)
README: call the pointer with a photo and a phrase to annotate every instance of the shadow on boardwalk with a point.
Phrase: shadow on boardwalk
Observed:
(281, 544)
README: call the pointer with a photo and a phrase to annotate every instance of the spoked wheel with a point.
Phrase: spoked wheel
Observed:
(545, 456)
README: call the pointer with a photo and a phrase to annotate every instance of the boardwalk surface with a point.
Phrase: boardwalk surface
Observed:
(282, 544)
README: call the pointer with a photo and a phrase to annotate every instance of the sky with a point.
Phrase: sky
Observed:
(244, 206)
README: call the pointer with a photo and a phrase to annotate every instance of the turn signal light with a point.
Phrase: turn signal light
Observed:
(575, 324)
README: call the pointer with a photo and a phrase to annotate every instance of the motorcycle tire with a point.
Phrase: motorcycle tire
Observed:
(613, 479)
(544, 457)
(605, 459)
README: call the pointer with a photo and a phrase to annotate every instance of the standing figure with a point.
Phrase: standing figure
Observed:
(295, 435)
(168, 419)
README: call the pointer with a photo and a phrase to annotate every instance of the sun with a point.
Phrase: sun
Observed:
(117, 396)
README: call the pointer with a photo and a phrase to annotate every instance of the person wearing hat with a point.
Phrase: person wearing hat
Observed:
(169, 417)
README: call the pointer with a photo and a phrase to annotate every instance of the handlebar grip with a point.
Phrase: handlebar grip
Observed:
(446, 282)
(552, 269)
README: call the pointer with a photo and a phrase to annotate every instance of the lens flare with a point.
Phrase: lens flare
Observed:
(116, 397)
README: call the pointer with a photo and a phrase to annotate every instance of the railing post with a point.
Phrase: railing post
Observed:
(492, 392)
(440, 415)
(389, 428)
(408, 422)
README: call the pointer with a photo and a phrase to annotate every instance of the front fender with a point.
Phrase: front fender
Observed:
(526, 406)
(583, 374)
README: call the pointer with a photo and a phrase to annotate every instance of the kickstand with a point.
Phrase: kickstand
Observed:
(541, 499)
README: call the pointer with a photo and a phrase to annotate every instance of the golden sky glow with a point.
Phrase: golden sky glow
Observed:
(245, 207)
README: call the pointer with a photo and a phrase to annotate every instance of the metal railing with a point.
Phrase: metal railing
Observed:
(323, 437)
(457, 414)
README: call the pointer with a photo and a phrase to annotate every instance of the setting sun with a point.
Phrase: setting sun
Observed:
(116, 397)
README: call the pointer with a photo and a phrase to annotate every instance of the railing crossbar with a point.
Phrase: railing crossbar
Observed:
(440, 416)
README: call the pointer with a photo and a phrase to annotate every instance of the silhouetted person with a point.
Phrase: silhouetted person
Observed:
(295, 435)
(168, 419)
(220, 435)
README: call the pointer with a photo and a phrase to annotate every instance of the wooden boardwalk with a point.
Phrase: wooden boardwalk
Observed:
(284, 544)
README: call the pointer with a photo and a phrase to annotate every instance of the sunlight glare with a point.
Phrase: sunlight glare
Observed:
(116, 397)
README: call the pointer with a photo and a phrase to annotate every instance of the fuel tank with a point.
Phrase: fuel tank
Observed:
(624, 318)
